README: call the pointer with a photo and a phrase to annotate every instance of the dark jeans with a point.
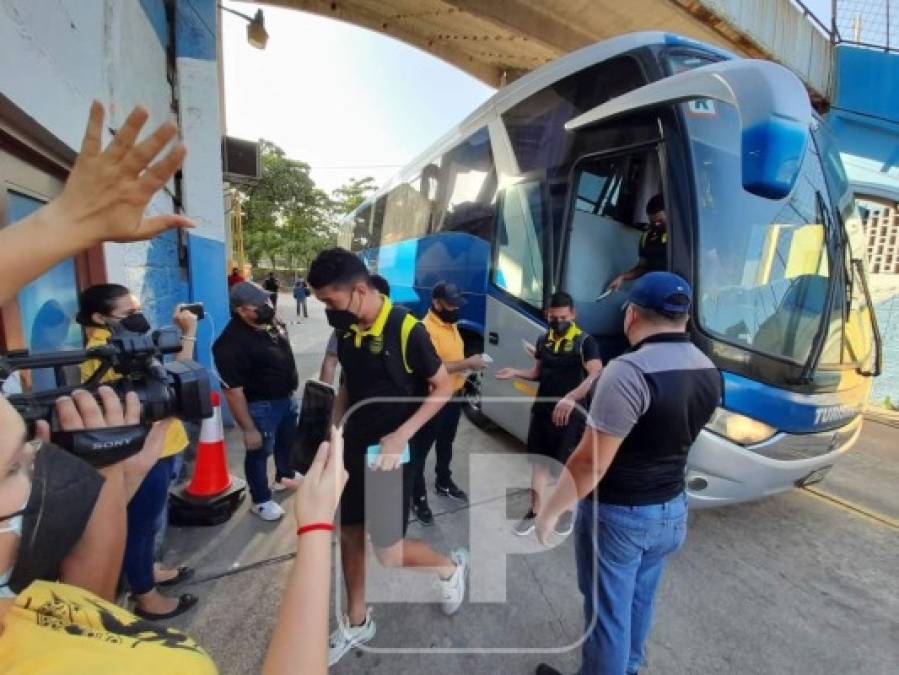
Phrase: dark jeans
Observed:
(277, 422)
(439, 431)
(621, 553)
(302, 304)
(144, 511)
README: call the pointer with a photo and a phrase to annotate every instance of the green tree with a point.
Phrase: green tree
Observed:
(349, 195)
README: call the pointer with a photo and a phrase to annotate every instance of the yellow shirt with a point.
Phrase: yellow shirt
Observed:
(447, 343)
(57, 628)
(175, 438)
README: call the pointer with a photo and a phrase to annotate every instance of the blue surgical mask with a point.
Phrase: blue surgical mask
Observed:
(14, 525)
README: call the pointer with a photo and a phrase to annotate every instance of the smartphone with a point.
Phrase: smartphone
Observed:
(372, 452)
(314, 424)
(195, 308)
(603, 295)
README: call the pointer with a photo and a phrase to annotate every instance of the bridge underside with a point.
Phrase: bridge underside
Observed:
(497, 41)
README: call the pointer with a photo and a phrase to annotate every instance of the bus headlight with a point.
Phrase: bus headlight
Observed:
(739, 428)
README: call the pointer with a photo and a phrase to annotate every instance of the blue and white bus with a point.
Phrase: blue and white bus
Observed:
(544, 188)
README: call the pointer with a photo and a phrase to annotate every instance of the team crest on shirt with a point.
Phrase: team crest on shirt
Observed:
(376, 344)
(568, 345)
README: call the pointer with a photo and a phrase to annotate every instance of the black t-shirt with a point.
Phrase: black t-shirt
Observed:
(562, 366)
(259, 360)
(366, 377)
(270, 284)
(654, 248)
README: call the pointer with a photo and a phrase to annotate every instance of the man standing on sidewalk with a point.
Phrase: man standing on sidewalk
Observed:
(385, 354)
(440, 323)
(255, 362)
(628, 471)
(272, 285)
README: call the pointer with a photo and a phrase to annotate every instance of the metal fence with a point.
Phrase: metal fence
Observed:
(867, 23)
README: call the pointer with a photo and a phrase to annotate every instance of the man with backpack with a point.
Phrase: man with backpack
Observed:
(384, 354)
(566, 365)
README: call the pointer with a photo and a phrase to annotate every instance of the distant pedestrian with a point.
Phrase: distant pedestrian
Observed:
(300, 293)
(629, 472)
(272, 285)
(234, 278)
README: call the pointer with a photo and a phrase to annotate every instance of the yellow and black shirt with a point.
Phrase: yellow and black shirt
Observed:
(654, 248)
(562, 363)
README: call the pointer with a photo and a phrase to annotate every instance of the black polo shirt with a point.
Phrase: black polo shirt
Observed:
(363, 354)
(657, 397)
(260, 360)
(654, 248)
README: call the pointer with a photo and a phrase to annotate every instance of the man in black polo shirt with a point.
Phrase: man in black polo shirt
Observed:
(384, 353)
(255, 361)
(653, 245)
(649, 406)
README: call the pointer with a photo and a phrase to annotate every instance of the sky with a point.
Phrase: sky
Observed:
(348, 101)
(335, 95)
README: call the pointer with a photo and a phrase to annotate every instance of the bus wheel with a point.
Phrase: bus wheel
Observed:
(472, 405)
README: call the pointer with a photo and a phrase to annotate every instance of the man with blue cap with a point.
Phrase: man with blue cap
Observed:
(628, 472)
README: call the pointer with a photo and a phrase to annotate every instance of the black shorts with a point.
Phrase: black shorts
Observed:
(546, 440)
(371, 497)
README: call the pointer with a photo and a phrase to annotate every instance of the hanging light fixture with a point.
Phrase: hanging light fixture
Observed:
(257, 36)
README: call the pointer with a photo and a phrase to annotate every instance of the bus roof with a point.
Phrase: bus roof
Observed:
(531, 83)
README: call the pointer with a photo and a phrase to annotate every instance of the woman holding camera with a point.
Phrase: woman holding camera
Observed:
(106, 309)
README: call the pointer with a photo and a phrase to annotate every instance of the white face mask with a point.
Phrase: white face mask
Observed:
(14, 525)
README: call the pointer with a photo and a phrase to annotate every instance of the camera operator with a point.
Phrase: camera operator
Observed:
(106, 309)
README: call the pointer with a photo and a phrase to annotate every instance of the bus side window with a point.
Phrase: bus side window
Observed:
(361, 229)
(467, 188)
(518, 262)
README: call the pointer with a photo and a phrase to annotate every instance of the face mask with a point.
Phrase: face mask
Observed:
(133, 323)
(14, 525)
(559, 327)
(265, 314)
(447, 315)
(342, 319)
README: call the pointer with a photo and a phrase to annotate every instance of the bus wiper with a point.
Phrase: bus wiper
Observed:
(875, 328)
(814, 355)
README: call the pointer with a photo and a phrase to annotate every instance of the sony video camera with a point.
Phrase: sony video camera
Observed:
(174, 389)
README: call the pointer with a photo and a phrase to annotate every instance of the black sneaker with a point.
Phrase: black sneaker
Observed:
(544, 669)
(450, 489)
(423, 511)
(526, 525)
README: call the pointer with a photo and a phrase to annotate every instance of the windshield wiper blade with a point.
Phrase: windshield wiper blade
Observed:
(814, 356)
(875, 327)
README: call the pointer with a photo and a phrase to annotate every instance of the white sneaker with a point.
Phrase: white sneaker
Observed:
(452, 591)
(346, 637)
(267, 510)
(278, 486)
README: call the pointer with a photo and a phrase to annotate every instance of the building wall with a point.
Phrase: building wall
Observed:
(58, 55)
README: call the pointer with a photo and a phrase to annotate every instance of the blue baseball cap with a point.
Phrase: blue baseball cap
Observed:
(661, 291)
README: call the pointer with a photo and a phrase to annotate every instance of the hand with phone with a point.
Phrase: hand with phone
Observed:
(393, 453)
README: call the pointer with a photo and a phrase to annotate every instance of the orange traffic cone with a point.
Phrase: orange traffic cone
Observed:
(213, 494)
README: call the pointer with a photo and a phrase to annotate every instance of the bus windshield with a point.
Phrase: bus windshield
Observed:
(765, 266)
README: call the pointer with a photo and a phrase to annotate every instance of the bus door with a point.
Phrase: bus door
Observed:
(606, 219)
(520, 278)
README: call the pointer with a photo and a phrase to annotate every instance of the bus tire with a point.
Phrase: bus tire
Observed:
(474, 344)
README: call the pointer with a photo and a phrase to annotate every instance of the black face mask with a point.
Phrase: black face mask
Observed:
(342, 319)
(559, 327)
(447, 315)
(265, 314)
(133, 323)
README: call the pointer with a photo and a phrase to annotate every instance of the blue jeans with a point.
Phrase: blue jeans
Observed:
(621, 553)
(277, 422)
(144, 511)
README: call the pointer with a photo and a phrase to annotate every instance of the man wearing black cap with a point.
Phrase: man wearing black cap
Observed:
(255, 362)
(628, 471)
(653, 245)
(440, 322)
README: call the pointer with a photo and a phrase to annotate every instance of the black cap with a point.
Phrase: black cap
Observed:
(449, 293)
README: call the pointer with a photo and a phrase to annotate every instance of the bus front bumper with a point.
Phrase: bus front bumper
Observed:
(720, 472)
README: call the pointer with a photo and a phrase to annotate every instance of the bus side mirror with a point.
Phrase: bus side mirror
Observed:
(774, 109)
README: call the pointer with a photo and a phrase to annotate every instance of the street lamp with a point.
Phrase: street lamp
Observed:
(257, 36)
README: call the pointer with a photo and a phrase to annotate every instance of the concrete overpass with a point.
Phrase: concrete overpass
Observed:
(497, 41)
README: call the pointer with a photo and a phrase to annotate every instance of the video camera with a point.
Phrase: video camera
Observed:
(174, 389)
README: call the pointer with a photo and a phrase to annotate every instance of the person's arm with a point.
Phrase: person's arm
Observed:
(187, 323)
(104, 199)
(473, 362)
(328, 369)
(634, 272)
(593, 366)
(299, 643)
(533, 374)
(237, 404)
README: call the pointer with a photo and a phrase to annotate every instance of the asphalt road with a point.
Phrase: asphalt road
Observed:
(804, 582)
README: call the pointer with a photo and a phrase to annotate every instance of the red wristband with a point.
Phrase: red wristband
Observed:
(313, 527)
